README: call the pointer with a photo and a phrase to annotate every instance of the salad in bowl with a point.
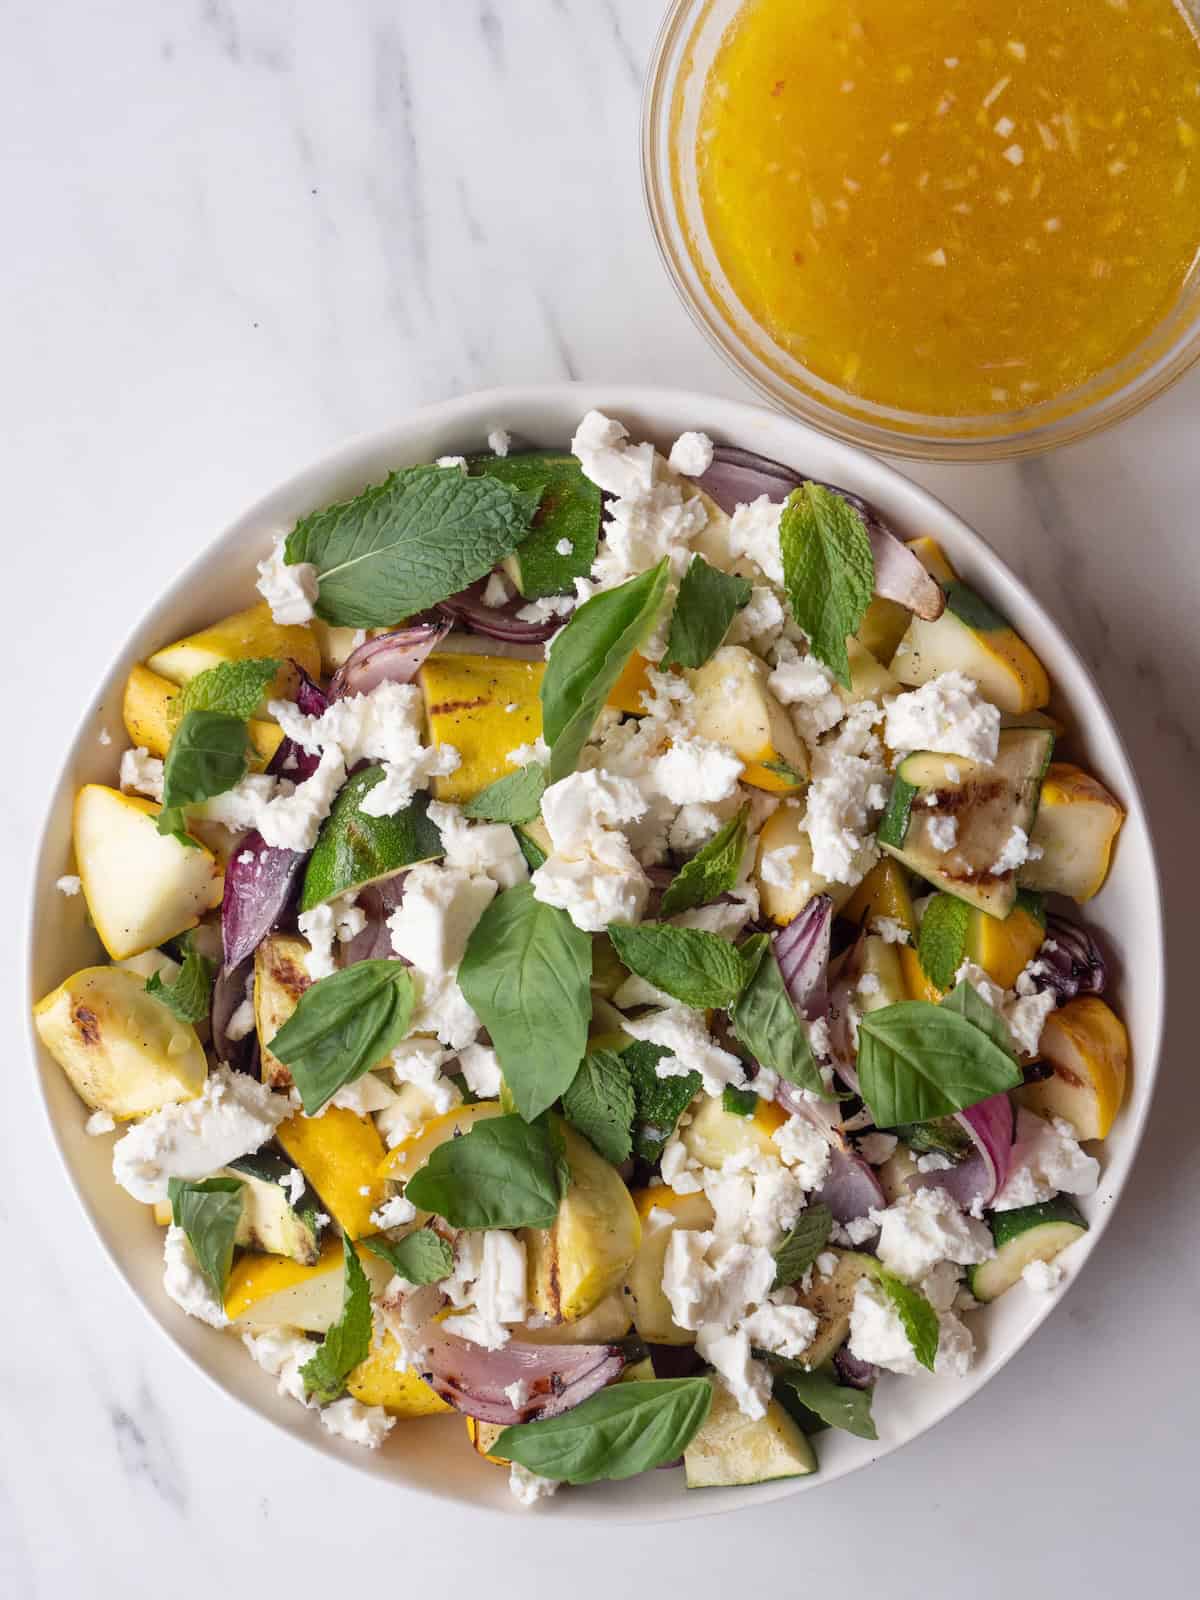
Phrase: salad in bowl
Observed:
(594, 947)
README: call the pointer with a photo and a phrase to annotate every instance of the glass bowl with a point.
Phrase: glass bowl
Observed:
(687, 43)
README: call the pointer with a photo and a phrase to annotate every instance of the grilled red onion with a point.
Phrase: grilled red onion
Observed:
(978, 1179)
(853, 1372)
(802, 951)
(851, 1188)
(290, 759)
(391, 658)
(559, 1376)
(497, 622)
(1070, 962)
(260, 880)
(229, 990)
(377, 902)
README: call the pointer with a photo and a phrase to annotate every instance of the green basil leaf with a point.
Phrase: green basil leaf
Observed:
(659, 1102)
(342, 1026)
(707, 603)
(189, 996)
(349, 1340)
(918, 1061)
(420, 1257)
(797, 1252)
(535, 856)
(942, 940)
(966, 999)
(567, 506)
(828, 571)
(712, 871)
(588, 657)
(235, 688)
(209, 1213)
(599, 1103)
(422, 535)
(918, 1316)
(835, 1403)
(527, 974)
(765, 1021)
(515, 798)
(503, 1173)
(207, 757)
(700, 969)
(625, 1429)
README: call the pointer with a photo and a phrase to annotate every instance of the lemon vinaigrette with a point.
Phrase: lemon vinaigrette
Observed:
(954, 209)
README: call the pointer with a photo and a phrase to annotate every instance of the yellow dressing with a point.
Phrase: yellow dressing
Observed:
(954, 209)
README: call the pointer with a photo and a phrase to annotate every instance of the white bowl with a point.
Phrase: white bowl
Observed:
(433, 1455)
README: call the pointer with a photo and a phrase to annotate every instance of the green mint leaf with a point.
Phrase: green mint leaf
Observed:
(837, 1404)
(625, 1429)
(349, 1340)
(209, 1213)
(189, 995)
(918, 1061)
(828, 571)
(659, 1102)
(565, 506)
(968, 1002)
(599, 1103)
(515, 798)
(420, 1257)
(535, 856)
(942, 941)
(588, 657)
(765, 1021)
(401, 546)
(797, 1252)
(707, 603)
(527, 974)
(207, 757)
(235, 688)
(739, 1102)
(712, 871)
(343, 1026)
(503, 1173)
(918, 1316)
(700, 969)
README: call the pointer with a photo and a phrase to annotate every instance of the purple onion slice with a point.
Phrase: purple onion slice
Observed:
(978, 1179)
(377, 902)
(853, 1372)
(1071, 962)
(391, 658)
(558, 1376)
(229, 990)
(260, 880)
(851, 1188)
(497, 622)
(802, 951)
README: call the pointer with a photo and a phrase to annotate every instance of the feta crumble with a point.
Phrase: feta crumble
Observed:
(69, 884)
(290, 589)
(691, 454)
(499, 441)
(947, 715)
(1047, 1160)
(141, 773)
(1042, 1276)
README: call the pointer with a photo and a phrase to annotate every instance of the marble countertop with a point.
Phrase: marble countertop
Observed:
(240, 231)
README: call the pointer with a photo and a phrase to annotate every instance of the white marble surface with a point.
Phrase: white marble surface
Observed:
(238, 231)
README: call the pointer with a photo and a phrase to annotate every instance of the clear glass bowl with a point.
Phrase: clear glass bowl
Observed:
(690, 36)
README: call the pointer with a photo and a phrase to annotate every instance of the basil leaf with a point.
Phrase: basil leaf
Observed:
(189, 996)
(420, 1257)
(699, 968)
(422, 535)
(588, 657)
(918, 1316)
(942, 940)
(349, 1340)
(599, 1103)
(503, 1173)
(207, 757)
(835, 1403)
(235, 688)
(766, 1022)
(625, 1429)
(966, 999)
(712, 871)
(828, 571)
(797, 1252)
(527, 974)
(515, 798)
(918, 1061)
(707, 603)
(535, 856)
(209, 1213)
(342, 1026)
(659, 1102)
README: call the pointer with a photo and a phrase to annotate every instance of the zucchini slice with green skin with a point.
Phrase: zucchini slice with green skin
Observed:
(354, 849)
(270, 1221)
(568, 513)
(731, 1449)
(986, 803)
(1030, 1233)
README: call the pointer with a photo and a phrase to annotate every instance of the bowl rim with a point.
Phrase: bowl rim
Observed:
(471, 412)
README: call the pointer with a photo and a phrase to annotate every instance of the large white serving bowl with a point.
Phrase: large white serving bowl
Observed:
(433, 1456)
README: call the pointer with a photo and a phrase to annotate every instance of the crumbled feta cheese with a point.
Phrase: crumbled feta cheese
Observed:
(443, 1009)
(691, 454)
(99, 1122)
(241, 807)
(890, 929)
(754, 533)
(827, 1263)
(591, 872)
(282, 1354)
(934, 1161)
(490, 848)
(680, 1169)
(518, 1394)
(186, 1284)
(420, 1061)
(349, 1419)
(697, 771)
(564, 547)
(340, 919)
(782, 1329)
(292, 821)
(1025, 1014)
(499, 1292)
(692, 1048)
(141, 773)
(1015, 852)
(804, 685)
(365, 1096)
(920, 1229)
(241, 1023)
(499, 441)
(496, 592)
(394, 1213)
(876, 1148)
(727, 1350)
(947, 715)
(437, 914)
(805, 1149)
(290, 589)
(1042, 1276)
(693, 827)
(527, 1488)
(761, 619)
(877, 1335)
(480, 1067)
(942, 833)
(547, 608)
(450, 462)
(69, 884)
(844, 797)
(104, 737)
(855, 1232)
(1047, 1160)
(707, 1282)
(525, 755)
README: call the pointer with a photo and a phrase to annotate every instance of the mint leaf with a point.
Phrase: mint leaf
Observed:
(527, 973)
(739, 1102)
(918, 1061)
(420, 1257)
(599, 1103)
(766, 1022)
(503, 1173)
(567, 506)
(711, 872)
(207, 757)
(797, 1252)
(700, 969)
(588, 657)
(342, 1026)
(419, 537)
(188, 997)
(828, 571)
(349, 1340)
(942, 941)
(515, 798)
(209, 1213)
(707, 603)
(235, 688)
(659, 1102)
(625, 1429)
(918, 1316)
(835, 1403)
(969, 1003)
